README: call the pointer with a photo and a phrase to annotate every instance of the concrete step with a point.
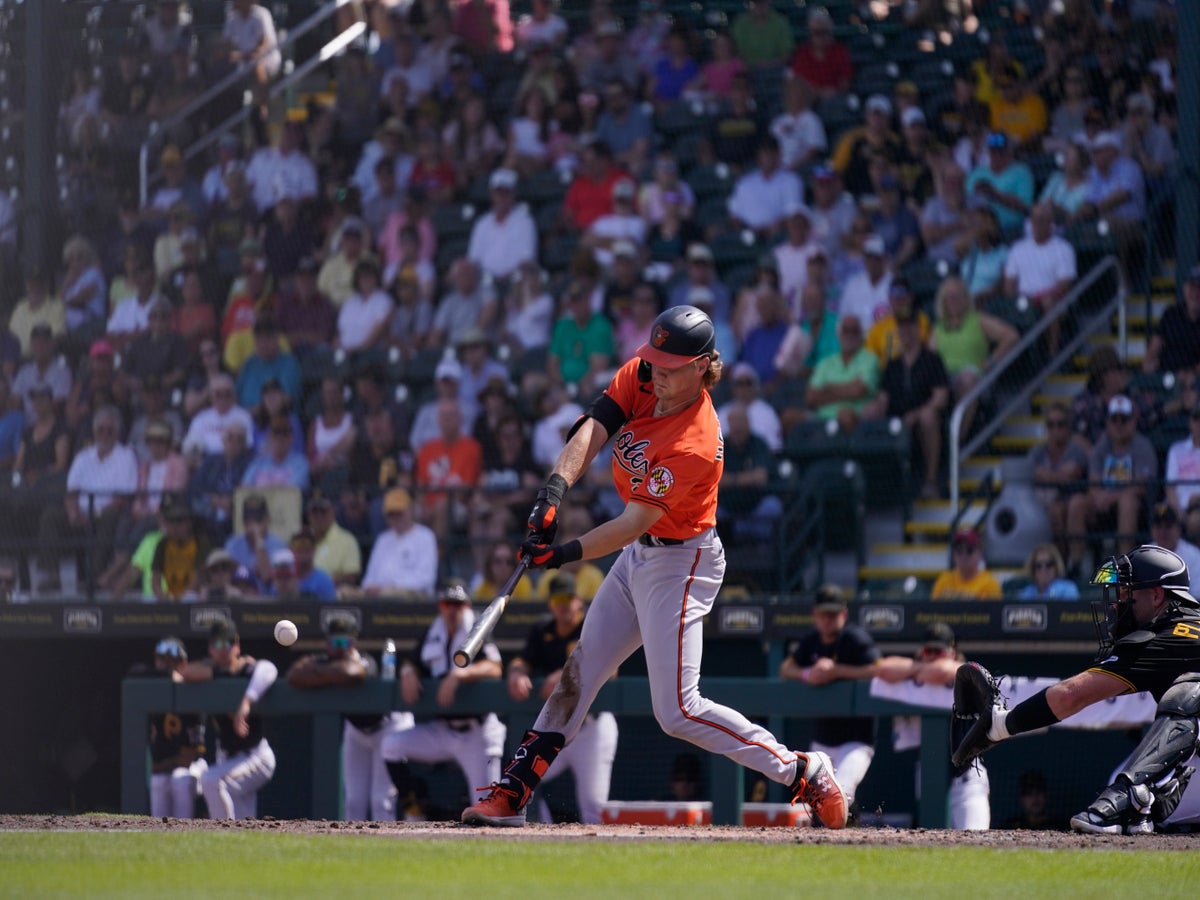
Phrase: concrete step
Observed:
(931, 519)
(1136, 311)
(1023, 426)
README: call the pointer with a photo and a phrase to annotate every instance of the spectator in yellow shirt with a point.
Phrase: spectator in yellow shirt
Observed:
(1018, 111)
(967, 580)
(882, 339)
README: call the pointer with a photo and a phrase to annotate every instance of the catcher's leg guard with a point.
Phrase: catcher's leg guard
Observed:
(1153, 780)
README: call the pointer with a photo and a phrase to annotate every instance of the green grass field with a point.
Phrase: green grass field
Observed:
(134, 864)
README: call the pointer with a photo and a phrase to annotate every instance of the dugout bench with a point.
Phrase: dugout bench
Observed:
(755, 697)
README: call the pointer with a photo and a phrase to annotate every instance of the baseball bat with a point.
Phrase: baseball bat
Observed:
(482, 630)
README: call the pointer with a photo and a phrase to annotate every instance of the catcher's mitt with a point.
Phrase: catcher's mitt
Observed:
(976, 694)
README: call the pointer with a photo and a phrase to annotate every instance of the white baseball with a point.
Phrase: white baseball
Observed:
(286, 632)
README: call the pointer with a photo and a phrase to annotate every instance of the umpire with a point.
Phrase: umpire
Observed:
(1150, 641)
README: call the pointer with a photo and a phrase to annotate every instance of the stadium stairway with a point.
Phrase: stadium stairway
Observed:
(906, 552)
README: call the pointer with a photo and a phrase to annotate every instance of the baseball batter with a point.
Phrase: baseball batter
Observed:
(590, 756)
(666, 465)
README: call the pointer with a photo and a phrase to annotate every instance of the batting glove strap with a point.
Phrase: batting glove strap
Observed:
(545, 556)
(543, 518)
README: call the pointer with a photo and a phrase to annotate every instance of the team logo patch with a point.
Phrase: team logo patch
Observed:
(660, 482)
(659, 336)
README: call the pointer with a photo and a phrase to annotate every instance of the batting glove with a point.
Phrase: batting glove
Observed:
(543, 518)
(551, 556)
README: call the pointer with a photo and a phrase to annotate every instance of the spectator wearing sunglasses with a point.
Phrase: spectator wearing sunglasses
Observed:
(1058, 467)
(1122, 463)
(1045, 568)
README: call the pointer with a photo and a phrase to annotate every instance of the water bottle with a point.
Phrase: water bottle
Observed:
(387, 669)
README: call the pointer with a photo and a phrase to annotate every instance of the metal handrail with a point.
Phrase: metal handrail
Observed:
(1028, 340)
(240, 71)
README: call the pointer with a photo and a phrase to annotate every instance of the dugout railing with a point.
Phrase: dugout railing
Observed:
(755, 697)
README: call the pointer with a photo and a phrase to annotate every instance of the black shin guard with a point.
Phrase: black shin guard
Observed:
(535, 755)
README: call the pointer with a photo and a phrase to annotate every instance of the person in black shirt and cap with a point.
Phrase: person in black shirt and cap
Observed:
(245, 761)
(367, 788)
(835, 651)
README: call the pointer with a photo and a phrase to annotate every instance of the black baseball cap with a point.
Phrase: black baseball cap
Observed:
(454, 592)
(341, 625)
(561, 585)
(830, 597)
(938, 636)
(223, 630)
(254, 507)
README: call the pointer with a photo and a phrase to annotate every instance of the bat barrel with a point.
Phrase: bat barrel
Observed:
(486, 623)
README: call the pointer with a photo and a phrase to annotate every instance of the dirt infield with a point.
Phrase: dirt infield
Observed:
(916, 837)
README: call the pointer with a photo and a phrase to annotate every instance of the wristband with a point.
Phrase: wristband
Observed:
(571, 551)
(556, 486)
(1031, 714)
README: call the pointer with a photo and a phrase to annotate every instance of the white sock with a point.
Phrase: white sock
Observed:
(999, 730)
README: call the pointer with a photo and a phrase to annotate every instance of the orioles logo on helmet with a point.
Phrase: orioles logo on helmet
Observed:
(659, 336)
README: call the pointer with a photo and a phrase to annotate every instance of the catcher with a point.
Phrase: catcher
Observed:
(1149, 630)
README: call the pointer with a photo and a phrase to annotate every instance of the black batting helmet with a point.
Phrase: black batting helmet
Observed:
(680, 335)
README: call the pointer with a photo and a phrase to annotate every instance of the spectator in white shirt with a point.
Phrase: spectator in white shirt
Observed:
(791, 257)
(761, 198)
(204, 435)
(622, 224)
(250, 29)
(1183, 467)
(1041, 266)
(284, 169)
(798, 129)
(100, 486)
(541, 24)
(416, 73)
(866, 293)
(506, 237)
(764, 421)
(363, 319)
(404, 559)
(131, 318)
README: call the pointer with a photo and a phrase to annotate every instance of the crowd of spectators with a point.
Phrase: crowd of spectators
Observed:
(394, 302)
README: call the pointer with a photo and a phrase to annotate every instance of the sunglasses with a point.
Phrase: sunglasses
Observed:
(341, 642)
(1044, 564)
(1119, 418)
(220, 644)
(964, 548)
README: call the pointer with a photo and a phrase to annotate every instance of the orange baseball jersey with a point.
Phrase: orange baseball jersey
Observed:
(671, 462)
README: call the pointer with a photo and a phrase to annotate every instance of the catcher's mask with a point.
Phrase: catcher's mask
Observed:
(1146, 567)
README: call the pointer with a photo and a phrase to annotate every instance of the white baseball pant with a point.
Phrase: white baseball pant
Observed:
(476, 747)
(657, 597)
(590, 759)
(231, 785)
(970, 803)
(174, 793)
(850, 763)
(367, 789)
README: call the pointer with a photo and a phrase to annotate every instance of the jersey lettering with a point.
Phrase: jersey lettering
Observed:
(630, 453)
(1183, 629)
